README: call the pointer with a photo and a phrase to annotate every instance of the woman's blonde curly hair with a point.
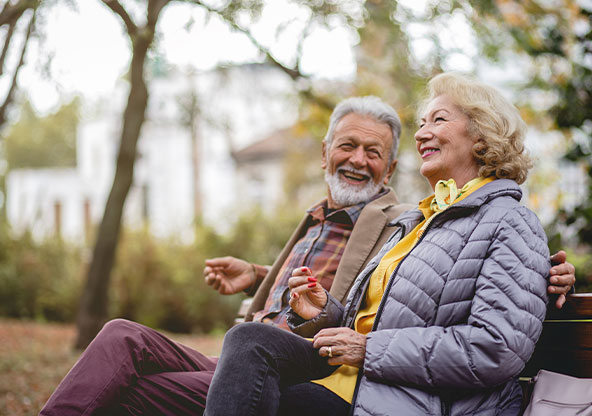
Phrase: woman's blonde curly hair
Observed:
(493, 120)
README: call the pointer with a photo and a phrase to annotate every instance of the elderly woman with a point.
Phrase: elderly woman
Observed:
(445, 317)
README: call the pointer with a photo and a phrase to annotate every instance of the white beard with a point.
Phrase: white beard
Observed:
(345, 194)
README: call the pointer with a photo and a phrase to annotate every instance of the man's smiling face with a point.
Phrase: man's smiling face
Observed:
(357, 161)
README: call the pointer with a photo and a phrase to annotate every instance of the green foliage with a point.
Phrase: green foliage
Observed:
(158, 283)
(259, 238)
(38, 280)
(161, 284)
(583, 264)
(50, 141)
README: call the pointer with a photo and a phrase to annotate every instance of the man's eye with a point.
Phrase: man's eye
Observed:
(439, 119)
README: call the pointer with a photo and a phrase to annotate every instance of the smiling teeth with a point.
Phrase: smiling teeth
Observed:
(428, 150)
(354, 176)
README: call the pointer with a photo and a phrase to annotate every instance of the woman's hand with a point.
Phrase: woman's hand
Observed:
(342, 346)
(307, 298)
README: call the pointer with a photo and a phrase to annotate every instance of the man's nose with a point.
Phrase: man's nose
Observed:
(358, 157)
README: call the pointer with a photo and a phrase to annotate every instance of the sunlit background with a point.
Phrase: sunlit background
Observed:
(228, 155)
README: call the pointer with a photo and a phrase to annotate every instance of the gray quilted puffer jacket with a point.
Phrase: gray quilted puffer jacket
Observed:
(461, 313)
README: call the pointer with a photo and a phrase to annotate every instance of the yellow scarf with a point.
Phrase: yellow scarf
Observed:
(446, 193)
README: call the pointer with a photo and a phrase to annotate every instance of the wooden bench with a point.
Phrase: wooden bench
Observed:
(242, 310)
(565, 345)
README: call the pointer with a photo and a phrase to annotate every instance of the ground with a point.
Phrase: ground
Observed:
(34, 358)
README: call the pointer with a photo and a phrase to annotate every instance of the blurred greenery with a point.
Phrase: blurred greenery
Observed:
(160, 283)
(156, 282)
(557, 40)
(35, 141)
(38, 280)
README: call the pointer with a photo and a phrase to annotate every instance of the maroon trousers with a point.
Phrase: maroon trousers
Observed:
(132, 369)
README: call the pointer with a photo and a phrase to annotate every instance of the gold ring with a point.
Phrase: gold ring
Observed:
(330, 353)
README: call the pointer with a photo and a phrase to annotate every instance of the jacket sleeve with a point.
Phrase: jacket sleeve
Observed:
(505, 321)
(330, 316)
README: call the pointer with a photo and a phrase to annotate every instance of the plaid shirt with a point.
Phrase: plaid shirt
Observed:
(320, 249)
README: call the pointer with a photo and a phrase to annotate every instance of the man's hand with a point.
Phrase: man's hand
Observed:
(563, 277)
(342, 346)
(229, 275)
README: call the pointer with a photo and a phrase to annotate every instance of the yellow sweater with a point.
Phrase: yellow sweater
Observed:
(343, 381)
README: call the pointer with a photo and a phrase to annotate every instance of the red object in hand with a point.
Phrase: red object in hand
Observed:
(312, 279)
(312, 284)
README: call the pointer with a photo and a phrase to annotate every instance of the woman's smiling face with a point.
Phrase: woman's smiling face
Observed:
(444, 143)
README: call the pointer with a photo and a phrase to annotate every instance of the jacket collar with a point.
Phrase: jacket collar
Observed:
(488, 192)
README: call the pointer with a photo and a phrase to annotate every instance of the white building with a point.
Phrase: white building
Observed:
(237, 106)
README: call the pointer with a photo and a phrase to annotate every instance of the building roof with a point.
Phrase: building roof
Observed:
(274, 146)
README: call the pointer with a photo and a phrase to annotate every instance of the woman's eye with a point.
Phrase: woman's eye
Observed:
(439, 119)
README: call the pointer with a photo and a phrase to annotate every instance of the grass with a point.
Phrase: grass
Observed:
(34, 358)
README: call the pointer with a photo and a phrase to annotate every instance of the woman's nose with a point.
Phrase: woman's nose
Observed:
(423, 133)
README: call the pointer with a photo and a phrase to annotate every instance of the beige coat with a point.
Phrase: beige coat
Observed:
(368, 236)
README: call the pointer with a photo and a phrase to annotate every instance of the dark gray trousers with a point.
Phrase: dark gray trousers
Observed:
(259, 364)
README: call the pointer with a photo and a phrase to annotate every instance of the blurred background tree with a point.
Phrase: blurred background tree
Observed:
(94, 301)
(398, 46)
(546, 48)
(556, 39)
(35, 141)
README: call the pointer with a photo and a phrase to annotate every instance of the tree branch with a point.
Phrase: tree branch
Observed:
(13, 11)
(301, 40)
(13, 84)
(306, 93)
(154, 9)
(7, 40)
(309, 95)
(293, 73)
(118, 9)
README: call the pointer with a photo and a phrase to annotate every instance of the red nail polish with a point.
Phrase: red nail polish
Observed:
(312, 284)
(312, 279)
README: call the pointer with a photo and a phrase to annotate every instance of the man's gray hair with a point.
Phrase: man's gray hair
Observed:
(370, 106)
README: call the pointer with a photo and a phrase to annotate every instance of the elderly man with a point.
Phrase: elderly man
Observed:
(359, 157)
(133, 369)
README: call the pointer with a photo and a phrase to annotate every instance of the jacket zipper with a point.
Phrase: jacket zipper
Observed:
(446, 404)
(392, 278)
(359, 378)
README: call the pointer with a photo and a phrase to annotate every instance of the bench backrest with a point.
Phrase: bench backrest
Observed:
(565, 345)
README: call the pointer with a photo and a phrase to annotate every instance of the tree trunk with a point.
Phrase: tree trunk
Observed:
(93, 306)
(195, 154)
